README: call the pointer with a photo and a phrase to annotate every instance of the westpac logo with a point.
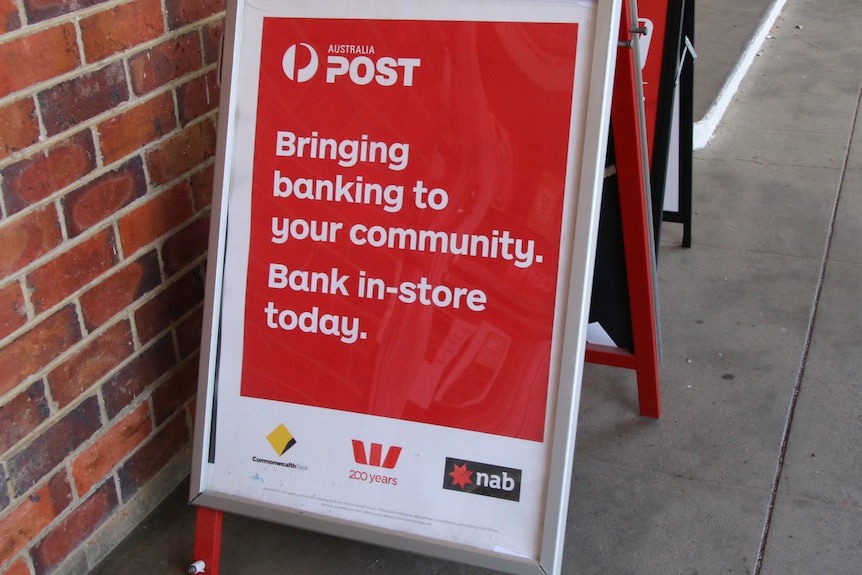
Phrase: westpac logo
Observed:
(301, 63)
(482, 479)
(374, 455)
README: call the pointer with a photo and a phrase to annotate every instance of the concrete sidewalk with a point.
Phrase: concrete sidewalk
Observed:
(754, 466)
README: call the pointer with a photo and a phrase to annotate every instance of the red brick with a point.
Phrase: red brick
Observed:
(27, 239)
(153, 456)
(182, 153)
(98, 460)
(198, 96)
(126, 133)
(40, 10)
(52, 549)
(55, 50)
(71, 270)
(36, 178)
(22, 414)
(78, 373)
(18, 568)
(192, 410)
(31, 351)
(202, 188)
(186, 245)
(137, 376)
(45, 452)
(153, 219)
(12, 311)
(117, 292)
(11, 20)
(4, 492)
(33, 514)
(166, 62)
(92, 203)
(69, 103)
(170, 305)
(170, 397)
(110, 31)
(189, 333)
(212, 34)
(182, 12)
(19, 127)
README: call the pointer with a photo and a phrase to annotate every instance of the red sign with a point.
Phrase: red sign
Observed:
(406, 211)
(653, 16)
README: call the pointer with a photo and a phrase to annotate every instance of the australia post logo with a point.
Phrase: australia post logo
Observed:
(348, 63)
(482, 479)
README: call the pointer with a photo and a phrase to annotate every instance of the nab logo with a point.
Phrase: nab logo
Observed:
(289, 61)
(375, 458)
(482, 479)
(300, 63)
(281, 439)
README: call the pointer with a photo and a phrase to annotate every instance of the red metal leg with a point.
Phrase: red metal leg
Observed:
(636, 231)
(207, 540)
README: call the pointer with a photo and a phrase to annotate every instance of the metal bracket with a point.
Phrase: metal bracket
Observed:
(638, 31)
(688, 49)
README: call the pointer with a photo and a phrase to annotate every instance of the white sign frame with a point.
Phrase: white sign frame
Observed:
(584, 180)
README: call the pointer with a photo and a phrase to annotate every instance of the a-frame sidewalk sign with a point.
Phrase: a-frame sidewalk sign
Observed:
(404, 223)
(668, 72)
(675, 128)
(623, 285)
(635, 284)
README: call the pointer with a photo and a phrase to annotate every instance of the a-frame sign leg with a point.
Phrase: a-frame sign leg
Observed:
(686, 142)
(632, 177)
(208, 527)
(625, 123)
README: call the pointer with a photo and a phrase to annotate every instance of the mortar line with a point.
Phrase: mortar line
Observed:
(806, 347)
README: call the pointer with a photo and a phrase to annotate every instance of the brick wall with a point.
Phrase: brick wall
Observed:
(107, 132)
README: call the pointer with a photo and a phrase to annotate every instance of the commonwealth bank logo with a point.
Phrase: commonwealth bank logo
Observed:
(281, 439)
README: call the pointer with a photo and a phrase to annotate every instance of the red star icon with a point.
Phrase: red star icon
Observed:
(461, 476)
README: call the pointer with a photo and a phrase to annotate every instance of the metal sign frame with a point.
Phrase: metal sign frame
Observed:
(583, 182)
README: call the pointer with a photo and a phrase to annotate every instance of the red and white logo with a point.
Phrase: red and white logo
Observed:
(362, 70)
(306, 72)
(374, 457)
(301, 62)
(482, 479)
